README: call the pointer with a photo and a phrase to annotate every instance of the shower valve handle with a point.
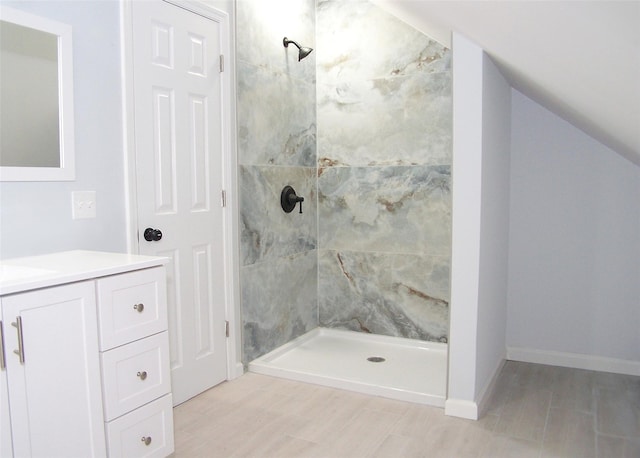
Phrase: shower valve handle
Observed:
(295, 199)
(289, 199)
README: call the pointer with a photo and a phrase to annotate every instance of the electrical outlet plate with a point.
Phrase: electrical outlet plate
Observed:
(83, 204)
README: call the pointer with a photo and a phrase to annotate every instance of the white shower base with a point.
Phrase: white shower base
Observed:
(413, 370)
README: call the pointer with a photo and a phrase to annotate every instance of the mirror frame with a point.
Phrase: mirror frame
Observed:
(66, 171)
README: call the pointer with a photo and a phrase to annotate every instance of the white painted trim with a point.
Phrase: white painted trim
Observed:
(229, 178)
(483, 399)
(461, 408)
(466, 217)
(128, 127)
(574, 360)
(230, 185)
(474, 410)
(236, 371)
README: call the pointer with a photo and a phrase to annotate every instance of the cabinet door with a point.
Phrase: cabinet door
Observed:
(54, 394)
(6, 448)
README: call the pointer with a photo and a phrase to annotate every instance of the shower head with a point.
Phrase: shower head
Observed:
(302, 51)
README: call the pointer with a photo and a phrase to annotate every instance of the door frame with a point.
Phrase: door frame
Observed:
(229, 159)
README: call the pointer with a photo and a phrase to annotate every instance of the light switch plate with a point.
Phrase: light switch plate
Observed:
(83, 204)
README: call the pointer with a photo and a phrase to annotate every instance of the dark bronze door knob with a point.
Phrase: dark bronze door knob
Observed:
(152, 235)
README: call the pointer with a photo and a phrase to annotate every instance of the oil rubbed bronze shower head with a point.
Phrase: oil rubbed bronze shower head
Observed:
(302, 51)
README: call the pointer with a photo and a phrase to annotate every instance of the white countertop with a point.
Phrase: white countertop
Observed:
(33, 272)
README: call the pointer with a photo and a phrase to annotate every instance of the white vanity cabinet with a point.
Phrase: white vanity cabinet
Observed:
(134, 356)
(85, 356)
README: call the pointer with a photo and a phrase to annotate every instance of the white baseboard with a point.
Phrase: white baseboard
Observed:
(461, 408)
(487, 392)
(574, 360)
(236, 370)
(474, 410)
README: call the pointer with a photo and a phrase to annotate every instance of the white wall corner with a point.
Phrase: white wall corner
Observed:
(487, 392)
(461, 408)
(574, 360)
(466, 206)
(473, 410)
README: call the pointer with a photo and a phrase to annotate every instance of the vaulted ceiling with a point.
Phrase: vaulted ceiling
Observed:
(579, 59)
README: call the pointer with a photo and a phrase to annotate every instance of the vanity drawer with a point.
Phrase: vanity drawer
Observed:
(135, 374)
(145, 432)
(129, 306)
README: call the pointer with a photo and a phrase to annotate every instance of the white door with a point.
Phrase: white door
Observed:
(179, 162)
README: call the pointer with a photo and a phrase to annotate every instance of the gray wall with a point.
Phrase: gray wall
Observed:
(384, 177)
(494, 225)
(574, 261)
(35, 217)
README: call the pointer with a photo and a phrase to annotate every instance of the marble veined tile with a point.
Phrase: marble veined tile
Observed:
(276, 118)
(385, 209)
(261, 25)
(357, 40)
(279, 302)
(266, 231)
(395, 121)
(385, 293)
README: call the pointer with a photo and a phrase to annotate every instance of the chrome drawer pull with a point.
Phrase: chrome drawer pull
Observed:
(142, 375)
(2, 362)
(139, 307)
(146, 440)
(20, 350)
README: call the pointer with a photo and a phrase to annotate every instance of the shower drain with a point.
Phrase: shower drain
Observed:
(376, 359)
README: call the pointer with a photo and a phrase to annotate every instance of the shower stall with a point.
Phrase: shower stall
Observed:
(354, 291)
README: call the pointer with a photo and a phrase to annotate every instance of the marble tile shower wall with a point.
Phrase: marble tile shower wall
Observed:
(276, 147)
(384, 173)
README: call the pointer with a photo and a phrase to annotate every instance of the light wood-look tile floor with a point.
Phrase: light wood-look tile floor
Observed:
(537, 411)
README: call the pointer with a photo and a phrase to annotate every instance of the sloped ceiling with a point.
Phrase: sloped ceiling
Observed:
(579, 59)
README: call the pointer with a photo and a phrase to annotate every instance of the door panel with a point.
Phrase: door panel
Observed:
(179, 151)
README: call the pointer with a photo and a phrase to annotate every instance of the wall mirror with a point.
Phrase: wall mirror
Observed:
(36, 98)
